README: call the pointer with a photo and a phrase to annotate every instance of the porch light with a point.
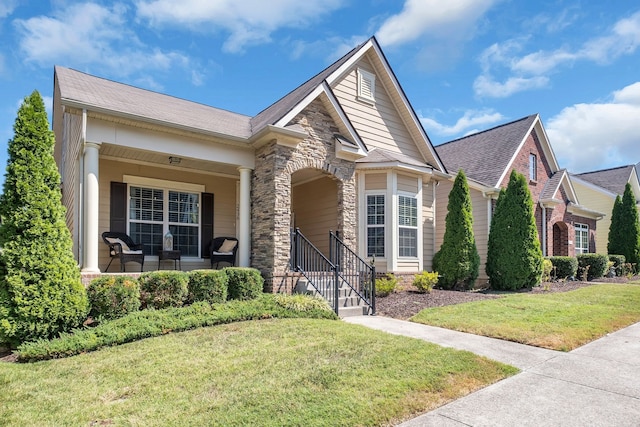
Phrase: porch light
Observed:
(174, 160)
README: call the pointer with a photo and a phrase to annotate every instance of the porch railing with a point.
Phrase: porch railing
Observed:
(344, 271)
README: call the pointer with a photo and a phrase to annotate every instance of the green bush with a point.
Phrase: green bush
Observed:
(547, 267)
(385, 285)
(162, 289)
(624, 231)
(153, 323)
(41, 293)
(594, 264)
(244, 283)
(111, 297)
(208, 285)
(618, 263)
(302, 302)
(425, 281)
(564, 267)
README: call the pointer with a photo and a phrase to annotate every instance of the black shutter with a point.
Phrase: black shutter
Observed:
(118, 209)
(206, 226)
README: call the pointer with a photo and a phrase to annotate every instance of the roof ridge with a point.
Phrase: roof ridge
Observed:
(606, 170)
(488, 130)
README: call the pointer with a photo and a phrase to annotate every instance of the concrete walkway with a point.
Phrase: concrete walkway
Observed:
(597, 384)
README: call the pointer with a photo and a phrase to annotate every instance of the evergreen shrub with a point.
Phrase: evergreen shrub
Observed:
(618, 263)
(595, 265)
(163, 289)
(244, 283)
(624, 231)
(547, 267)
(208, 285)
(564, 267)
(425, 281)
(111, 297)
(386, 285)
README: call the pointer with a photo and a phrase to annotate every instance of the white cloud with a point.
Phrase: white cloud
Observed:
(90, 34)
(531, 71)
(470, 119)
(588, 137)
(7, 7)
(248, 22)
(431, 17)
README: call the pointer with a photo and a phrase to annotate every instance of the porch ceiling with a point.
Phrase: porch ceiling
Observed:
(117, 152)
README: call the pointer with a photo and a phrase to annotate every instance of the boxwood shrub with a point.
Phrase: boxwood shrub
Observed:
(111, 297)
(208, 285)
(564, 267)
(618, 263)
(244, 283)
(596, 265)
(162, 289)
(385, 285)
(425, 281)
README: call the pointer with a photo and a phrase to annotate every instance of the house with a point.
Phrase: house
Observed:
(565, 227)
(344, 151)
(598, 191)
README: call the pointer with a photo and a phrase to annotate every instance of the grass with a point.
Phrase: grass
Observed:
(265, 372)
(558, 321)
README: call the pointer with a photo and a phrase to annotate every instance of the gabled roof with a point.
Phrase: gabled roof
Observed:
(557, 180)
(486, 156)
(613, 180)
(103, 95)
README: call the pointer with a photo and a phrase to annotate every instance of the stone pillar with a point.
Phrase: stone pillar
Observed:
(244, 229)
(91, 207)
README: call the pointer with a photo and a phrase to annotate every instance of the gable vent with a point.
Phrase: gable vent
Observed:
(366, 86)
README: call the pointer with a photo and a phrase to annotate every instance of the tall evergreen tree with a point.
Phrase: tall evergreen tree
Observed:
(458, 261)
(40, 290)
(626, 237)
(615, 238)
(514, 257)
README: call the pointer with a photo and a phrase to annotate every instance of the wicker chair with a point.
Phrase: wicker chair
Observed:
(121, 246)
(220, 251)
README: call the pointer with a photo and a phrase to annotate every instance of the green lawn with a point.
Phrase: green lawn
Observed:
(559, 321)
(268, 372)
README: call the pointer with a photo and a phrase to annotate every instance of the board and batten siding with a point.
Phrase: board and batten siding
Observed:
(315, 209)
(224, 190)
(378, 124)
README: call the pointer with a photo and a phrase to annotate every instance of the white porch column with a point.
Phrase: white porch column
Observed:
(244, 229)
(91, 207)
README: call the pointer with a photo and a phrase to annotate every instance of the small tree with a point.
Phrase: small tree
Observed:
(624, 232)
(514, 257)
(40, 290)
(458, 261)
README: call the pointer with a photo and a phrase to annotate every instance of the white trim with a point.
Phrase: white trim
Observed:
(417, 227)
(363, 77)
(392, 231)
(164, 184)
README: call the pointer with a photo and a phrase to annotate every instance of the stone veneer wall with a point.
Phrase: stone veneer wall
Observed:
(271, 192)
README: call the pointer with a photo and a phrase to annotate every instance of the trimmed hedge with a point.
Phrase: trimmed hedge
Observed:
(618, 263)
(111, 297)
(596, 264)
(244, 283)
(564, 266)
(162, 289)
(208, 285)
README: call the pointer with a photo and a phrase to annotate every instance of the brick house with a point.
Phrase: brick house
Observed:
(565, 227)
(344, 151)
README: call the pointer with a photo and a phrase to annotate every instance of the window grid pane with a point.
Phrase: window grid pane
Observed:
(185, 239)
(375, 225)
(183, 207)
(408, 242)
(582, 238)
(408, 223)
(375, 241)
(149, 235)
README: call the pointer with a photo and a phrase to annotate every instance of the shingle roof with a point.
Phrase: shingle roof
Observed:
(122, 99)
(484, 156)
(613, 179)
(552, 185)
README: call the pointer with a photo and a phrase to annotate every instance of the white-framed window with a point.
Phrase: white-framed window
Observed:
(156, 206)
(407, 226)
(375, 225)
(366, 86)
(582, 238)
(533, 167)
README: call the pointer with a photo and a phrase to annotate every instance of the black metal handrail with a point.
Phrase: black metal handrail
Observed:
(354, 272)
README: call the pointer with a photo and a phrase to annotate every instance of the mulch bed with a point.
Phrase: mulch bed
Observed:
(406, 302)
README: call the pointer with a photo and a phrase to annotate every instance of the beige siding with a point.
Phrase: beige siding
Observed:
(408, 184)
(70, 175)
(428, 232)
(600, 202)
(315, 207)
(224, 190)
(379, 125)
(375, 181)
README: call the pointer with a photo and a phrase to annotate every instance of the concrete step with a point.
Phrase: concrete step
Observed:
(352, 311)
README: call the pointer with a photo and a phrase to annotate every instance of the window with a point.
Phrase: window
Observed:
(375, 226)
(408, 226)
(533, 167)
(366, 86)
(152, 211)
(582, 239)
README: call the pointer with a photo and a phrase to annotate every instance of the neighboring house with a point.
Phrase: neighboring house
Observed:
(598, 191)
(344, 151)
(564, 226)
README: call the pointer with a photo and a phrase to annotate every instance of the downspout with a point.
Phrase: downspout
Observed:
(83, 139)
(544, 229)
(433, 241)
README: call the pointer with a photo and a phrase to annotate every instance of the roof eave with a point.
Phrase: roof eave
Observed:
(288, 136)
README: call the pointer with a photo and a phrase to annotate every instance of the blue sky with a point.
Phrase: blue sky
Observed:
(465, 65)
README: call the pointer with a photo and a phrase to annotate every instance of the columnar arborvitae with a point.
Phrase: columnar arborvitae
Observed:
(624, 235)
(40, 290)
(458, 261)
(514, 258)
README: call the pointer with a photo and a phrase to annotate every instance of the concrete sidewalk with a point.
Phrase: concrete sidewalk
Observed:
(595, 385)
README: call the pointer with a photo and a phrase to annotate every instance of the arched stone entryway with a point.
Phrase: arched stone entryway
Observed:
(560, 239)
